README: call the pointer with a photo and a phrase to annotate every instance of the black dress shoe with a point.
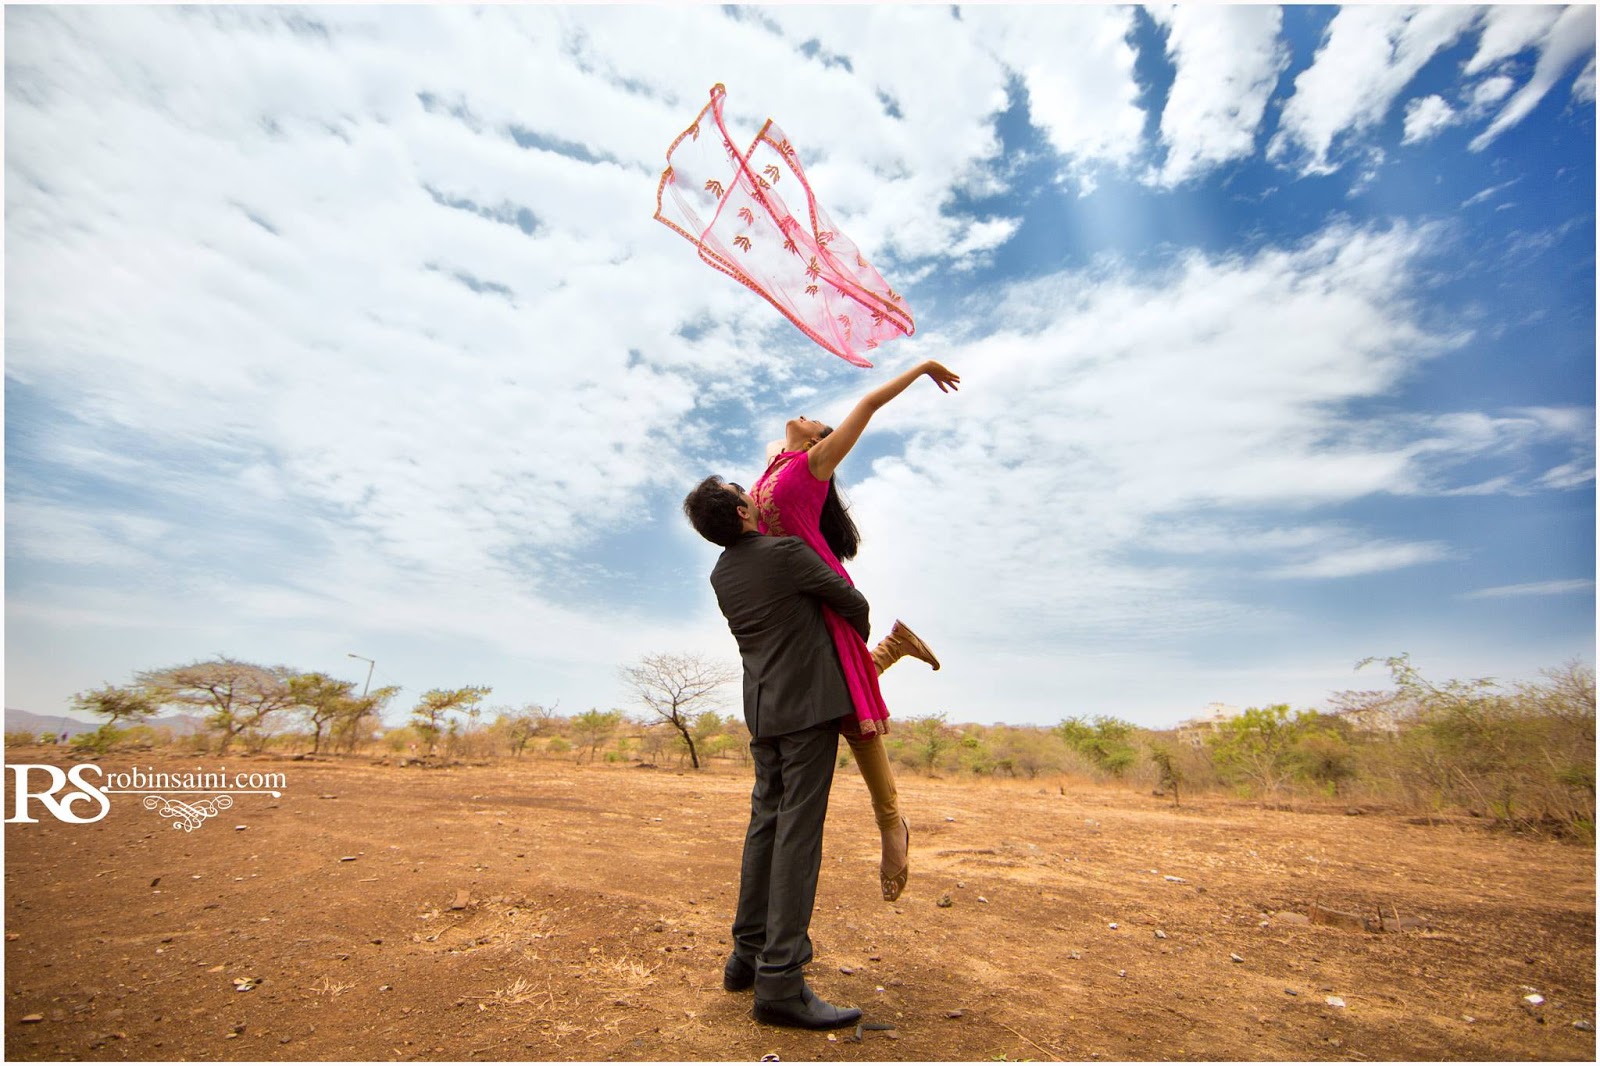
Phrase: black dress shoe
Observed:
(805, 1011)
(738, 975)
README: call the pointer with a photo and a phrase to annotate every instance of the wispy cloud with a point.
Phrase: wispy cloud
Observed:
(1488, 92)
(1568, 41)
(1488, 194)
(1534, 588)
(1508, 31)
(1126, 404)
(1372, 558)
(1583, 84)
(1368, 56)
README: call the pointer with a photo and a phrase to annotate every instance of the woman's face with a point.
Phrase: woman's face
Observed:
(801, 431)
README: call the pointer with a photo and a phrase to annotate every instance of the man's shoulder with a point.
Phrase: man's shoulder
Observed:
(757, 542)
(760, 551)
(744, 549)
(788, 549)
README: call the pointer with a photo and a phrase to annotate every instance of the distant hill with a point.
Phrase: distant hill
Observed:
(20, 721)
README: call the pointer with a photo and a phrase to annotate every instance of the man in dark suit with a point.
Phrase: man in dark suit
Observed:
(772, 590)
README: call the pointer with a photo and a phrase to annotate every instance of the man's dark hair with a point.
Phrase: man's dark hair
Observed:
(714, 511)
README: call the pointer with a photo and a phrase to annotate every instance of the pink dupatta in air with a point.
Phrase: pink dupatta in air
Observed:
(802, 265)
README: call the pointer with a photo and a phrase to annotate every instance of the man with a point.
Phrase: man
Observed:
(772, 590)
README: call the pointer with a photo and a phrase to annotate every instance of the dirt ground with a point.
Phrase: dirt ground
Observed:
(594, 905)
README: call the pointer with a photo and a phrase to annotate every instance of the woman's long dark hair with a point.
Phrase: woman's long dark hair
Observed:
(838, 528)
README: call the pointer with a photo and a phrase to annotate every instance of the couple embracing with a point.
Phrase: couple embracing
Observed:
(809, 677)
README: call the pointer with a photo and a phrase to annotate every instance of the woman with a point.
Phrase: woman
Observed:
(797, 497)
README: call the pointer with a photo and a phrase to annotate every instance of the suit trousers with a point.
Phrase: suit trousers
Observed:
(783, 855)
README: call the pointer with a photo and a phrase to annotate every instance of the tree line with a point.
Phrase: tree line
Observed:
(1522, 756)
(259, 707)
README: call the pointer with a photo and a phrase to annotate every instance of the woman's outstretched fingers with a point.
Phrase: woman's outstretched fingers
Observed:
(943, 377)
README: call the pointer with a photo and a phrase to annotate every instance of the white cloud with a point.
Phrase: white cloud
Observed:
(984, 236)
(1088, 107)
(1533, 588)
(1583, 84)
(1571, 475)
(1370, 167)
(49, 532)
(1368, 56)
(1372, 558)
(1144, 444)
(1425, 117)
(1490, 91)
(227, 176)
(1443, 444)
(1568, 40)
(883, 178)
(300, 285)
(1227, 62)
(325, 352)
(1118, 405)
(1299, 551)
(1508, 30)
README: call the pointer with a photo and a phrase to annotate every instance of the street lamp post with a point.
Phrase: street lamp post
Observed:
(370, 664)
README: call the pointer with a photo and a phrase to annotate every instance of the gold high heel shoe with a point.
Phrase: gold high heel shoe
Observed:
(893, 886)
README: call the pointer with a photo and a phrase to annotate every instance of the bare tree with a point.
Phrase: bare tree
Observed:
(519, 727)
(653, 737)
(236, 696)
(677, 688)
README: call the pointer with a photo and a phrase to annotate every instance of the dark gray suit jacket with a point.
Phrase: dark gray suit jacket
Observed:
(771, 590)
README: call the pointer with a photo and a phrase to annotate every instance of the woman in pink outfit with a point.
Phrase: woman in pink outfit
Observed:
(796, 497)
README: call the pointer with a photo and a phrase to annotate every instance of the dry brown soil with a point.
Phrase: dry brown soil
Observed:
(597, 899)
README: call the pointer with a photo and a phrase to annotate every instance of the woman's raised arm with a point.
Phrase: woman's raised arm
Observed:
(826, 455)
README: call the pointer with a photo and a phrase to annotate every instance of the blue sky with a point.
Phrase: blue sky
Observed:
(337, 330)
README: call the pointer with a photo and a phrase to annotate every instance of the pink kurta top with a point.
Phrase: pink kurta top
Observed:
(789, 504)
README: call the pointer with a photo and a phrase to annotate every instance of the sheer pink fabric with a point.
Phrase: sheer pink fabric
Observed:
(731, 205)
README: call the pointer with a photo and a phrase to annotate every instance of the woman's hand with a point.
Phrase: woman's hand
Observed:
(825, 456)
(942, 376)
